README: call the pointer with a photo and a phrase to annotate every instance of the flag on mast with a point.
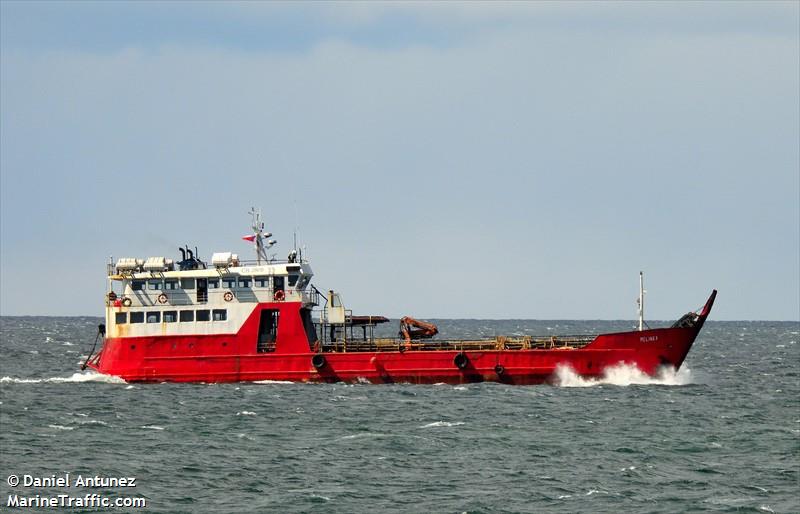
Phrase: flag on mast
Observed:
(249, 238)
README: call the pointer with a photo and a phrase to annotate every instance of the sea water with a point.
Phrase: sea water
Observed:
(722, 434)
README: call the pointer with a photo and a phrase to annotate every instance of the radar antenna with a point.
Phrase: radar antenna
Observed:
(259, 235)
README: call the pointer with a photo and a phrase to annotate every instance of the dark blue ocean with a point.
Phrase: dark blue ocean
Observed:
(720, 435)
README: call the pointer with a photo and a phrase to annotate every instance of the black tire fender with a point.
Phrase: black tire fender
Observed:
(318, 361)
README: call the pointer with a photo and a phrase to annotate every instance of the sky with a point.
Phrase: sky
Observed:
(440, 160)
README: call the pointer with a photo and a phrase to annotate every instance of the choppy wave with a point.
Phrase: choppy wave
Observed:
(443, 424)
(624, 375)
(75, 378)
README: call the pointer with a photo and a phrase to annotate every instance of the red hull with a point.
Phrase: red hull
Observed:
(234, 358)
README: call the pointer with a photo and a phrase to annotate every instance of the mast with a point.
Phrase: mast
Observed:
(258, 240)
(640, 301)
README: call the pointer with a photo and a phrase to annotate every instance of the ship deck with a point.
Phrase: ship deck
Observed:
(573, 342)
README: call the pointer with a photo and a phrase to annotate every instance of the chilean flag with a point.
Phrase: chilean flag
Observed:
(249, 238)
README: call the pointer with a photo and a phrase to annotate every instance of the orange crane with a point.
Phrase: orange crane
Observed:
(411, 328)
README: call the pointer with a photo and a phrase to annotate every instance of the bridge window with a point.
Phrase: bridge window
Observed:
(244, 282)
(137, 317)
(170, 285)
(170, 316)
(213, 283)
(203, 315)
(278, 281)
(187, 315)
(293, 279)
(229, 283)
(154, 285)
(220, 314)
(121, 318)
(187, 283)
(137, 285)
(154, 317)
(262, 281)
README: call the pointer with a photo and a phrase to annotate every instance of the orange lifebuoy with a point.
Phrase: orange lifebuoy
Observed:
(228, 296)
(162, 298)
(279, 296)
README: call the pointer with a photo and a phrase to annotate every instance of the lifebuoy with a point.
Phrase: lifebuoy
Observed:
(279, 295)
(112, 296)
(162, 298)
(228, 296)
(461, 360)
(127, 302)
(499, 369)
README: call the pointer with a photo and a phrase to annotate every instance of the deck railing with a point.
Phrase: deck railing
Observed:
(497, 343)
(185, 297)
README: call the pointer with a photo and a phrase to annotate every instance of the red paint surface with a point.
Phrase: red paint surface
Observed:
(233, 357)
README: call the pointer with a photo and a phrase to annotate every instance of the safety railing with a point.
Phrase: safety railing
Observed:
(496, 343)
(181, 297)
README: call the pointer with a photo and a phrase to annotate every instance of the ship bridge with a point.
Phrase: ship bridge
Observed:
(156, 282)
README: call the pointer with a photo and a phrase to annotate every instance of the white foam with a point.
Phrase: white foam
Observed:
(94, 422)
(443, 424)
(624, 375)
(246, 413)
(153, 427)
(61, 427)
(273, 382)
(75, 378)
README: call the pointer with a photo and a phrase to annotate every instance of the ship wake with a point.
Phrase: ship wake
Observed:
(75, 378)
(624, 375)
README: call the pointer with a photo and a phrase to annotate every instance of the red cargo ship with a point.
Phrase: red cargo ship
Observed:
(232, 320)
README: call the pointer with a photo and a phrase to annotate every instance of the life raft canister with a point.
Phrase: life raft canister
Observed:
(279, 295)
(228, 296)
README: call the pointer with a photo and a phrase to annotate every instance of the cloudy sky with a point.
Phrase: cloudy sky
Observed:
(503, 160)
